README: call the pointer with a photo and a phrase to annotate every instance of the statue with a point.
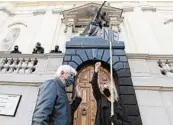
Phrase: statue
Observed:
(97, 23)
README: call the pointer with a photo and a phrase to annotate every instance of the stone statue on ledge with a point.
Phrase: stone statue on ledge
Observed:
(95, 26)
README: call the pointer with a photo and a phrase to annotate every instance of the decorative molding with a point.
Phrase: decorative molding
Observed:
(17, 23)
(149, 56)
(168, 21)
(34, 84)
(39, 12)
(129, 9)
(56, 11)
(69, 22)
(148, 9)
(166, 67)
(114, 21)
(82, 15)
(24, 66)
(7, 11)
(38, 56)
(153, 88)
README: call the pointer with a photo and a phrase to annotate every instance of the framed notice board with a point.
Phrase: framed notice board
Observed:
(9, 104)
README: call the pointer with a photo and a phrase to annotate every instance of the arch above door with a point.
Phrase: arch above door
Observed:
(84, 51)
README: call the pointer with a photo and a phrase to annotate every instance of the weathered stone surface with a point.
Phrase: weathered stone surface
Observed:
(125, 81)
(73, 64)
(124, 73)
(119, 52)
(67, 58)
(106, 56)
(70, 51)
(82, 54)
(77, 60)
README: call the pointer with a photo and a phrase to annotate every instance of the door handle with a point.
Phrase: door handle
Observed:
(84, 111)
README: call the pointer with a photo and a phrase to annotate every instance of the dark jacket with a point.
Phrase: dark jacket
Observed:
(104, 108)
(52, 107)
(75, 103)
(17, 52)
(39, 50)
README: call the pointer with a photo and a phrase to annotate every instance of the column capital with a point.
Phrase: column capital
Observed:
(69, 22)
(115, 21)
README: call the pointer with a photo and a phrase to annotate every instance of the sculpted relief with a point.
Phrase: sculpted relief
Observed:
(8, 42)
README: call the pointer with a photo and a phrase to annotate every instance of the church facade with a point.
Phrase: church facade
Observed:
(142, 57)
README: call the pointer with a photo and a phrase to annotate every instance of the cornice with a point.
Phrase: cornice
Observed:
(7, 8)
(39, 12)
(149, 56)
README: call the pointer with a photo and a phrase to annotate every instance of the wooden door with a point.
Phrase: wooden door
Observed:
(85, 114)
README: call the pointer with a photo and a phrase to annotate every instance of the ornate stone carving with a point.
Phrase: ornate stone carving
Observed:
(114, 23)
(17, 23)
(168, 21)
(7, 8)
(166, 67)
(9, 40)
(24, 66)
(69, 24)
(82, 15)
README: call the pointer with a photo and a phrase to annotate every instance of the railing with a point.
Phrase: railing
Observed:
(18, 65)
(166, 67)
(28, 67)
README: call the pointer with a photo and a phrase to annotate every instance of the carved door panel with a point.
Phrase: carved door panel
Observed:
(85, 114)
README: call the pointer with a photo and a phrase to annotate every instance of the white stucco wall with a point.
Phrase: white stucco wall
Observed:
(156, 107)
(142, 31)
(26, 107)
(154, 91)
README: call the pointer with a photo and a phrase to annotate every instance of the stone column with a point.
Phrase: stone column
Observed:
(113, 23)
(69, 29)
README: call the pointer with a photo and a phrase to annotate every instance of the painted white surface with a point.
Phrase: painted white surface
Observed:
(142, 31)
(155, 107)
(26, 106)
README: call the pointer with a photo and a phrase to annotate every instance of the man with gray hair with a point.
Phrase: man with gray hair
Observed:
(52, 107)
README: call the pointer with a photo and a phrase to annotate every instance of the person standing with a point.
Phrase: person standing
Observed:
(103, 95)
(53, 107)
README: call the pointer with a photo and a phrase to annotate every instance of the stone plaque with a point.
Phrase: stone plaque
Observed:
(9, 104)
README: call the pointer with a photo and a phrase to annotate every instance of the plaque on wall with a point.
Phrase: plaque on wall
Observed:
(9, 104)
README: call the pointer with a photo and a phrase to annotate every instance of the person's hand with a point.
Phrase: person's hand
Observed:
(79, 92)
(97, 66)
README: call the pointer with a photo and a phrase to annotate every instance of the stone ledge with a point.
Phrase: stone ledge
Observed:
(34, 84)
(149, 56)
(46, 55)
(152, 81)
(92, 42)
(153, 88)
